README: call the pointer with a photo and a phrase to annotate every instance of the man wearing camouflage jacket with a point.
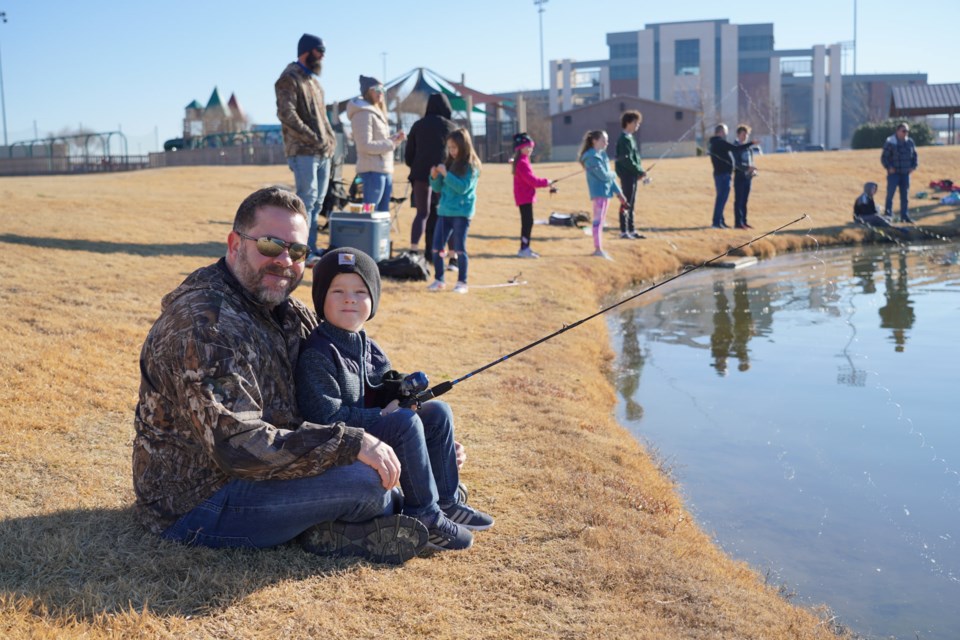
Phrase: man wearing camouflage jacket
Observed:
(308, 138)
(222, 457)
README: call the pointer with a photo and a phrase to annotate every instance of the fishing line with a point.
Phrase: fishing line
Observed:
(446, 386)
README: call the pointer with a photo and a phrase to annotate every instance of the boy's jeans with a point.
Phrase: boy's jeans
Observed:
(423, 442)
(266, 513)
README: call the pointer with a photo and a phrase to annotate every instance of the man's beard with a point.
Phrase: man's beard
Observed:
(252, 280)
(314, 63)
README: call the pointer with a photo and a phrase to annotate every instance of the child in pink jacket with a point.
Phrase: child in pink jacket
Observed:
(525, 185)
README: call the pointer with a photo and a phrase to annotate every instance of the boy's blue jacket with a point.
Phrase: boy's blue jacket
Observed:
(601, 181)
(458, 195)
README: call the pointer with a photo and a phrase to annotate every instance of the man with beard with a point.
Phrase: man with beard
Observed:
(222, 457)
(308, 138)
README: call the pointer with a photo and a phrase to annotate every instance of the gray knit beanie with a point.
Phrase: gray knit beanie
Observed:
(366, 82)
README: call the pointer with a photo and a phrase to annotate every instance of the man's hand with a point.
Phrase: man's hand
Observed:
(379, 455)
(461, 454)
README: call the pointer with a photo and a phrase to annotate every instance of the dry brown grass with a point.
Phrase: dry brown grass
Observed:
(591, 541)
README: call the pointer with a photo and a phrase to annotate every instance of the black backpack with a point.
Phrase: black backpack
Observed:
(577, 219)
(404, 266)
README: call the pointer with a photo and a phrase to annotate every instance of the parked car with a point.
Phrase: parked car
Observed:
(814, 147)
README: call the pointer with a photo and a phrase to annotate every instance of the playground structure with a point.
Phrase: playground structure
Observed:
(78, 153)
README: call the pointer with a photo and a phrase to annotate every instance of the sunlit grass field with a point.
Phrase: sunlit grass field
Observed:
(592, 539)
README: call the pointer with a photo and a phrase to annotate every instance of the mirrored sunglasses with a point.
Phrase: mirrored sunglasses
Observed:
(272, 247)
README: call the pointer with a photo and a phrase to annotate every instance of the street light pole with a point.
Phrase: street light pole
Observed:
(3, 101)
(540, 10)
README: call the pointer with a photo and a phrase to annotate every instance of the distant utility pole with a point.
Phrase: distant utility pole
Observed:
(3, 100)
(383, 54)
(540, 10)
(854, 37)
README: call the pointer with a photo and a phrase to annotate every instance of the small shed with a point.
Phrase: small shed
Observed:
(665, 127)
(927, 100)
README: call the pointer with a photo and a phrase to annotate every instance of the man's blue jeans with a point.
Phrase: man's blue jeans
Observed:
(722, 182)
(897, 181)
(266, 513)
(312, 177)
(452, 229)
(423, 442)
(377, 189)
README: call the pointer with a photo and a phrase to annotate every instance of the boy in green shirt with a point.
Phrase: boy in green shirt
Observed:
(629, 171)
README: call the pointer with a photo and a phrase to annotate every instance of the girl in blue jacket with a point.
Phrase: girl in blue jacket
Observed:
(601, 181)
(456, 182)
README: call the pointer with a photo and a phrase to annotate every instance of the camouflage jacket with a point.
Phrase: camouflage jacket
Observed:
(302, 114)
(217, 399)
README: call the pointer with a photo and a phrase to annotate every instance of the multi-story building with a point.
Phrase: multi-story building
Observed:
(732, 73)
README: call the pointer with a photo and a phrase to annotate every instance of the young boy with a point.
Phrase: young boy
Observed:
(865, 209)
(629, 171)
(339, 378)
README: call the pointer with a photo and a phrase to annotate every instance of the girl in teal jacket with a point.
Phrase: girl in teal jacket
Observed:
(601, 181)
(456, 181)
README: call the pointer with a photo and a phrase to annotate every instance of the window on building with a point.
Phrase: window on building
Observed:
(755, 43)
(625, 50)
(678, 115)
(754, 65)
(567, 119)
(623, 72)
(687, 57)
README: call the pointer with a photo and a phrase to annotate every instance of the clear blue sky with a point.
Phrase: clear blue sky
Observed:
(135, 64)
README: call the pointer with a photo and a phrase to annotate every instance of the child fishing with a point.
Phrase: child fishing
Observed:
(340, 378)
(601, 181)
(456, 181)
(629, 170)
(525, 185)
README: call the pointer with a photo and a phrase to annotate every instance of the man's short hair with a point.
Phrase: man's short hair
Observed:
(267, 197)
(720, 128)
(903, 126)
(744, 128)
(629, 117)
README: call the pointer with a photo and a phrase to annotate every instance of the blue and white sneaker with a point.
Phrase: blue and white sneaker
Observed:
(446, 535)
(468, 517)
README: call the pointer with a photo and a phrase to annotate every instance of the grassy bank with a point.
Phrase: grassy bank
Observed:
(591, 541)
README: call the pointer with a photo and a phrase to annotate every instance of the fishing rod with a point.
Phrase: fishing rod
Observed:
(443, 387)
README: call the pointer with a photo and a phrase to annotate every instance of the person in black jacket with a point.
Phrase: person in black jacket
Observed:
(426, 148)
(720, 151)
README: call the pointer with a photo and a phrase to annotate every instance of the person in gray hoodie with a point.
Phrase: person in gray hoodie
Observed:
(375, 145)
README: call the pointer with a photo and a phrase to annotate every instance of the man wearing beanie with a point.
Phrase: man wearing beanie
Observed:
(308, 138)
(340, 378)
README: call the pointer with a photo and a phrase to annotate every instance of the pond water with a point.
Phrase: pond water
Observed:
(805, 405)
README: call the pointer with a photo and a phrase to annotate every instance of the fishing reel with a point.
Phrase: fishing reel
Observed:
(395, 386)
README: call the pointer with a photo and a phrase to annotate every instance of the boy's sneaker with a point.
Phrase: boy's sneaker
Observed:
(468, 517)
(387, 539)
(637, 236)
(625, 235)
(438, 285)
(527, 253)
(460, 287)
(447, 535)
(454, 265)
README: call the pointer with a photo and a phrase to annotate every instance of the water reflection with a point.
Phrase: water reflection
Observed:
(898, 313)
(731, 331)
(630, 379)
(845, 491)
